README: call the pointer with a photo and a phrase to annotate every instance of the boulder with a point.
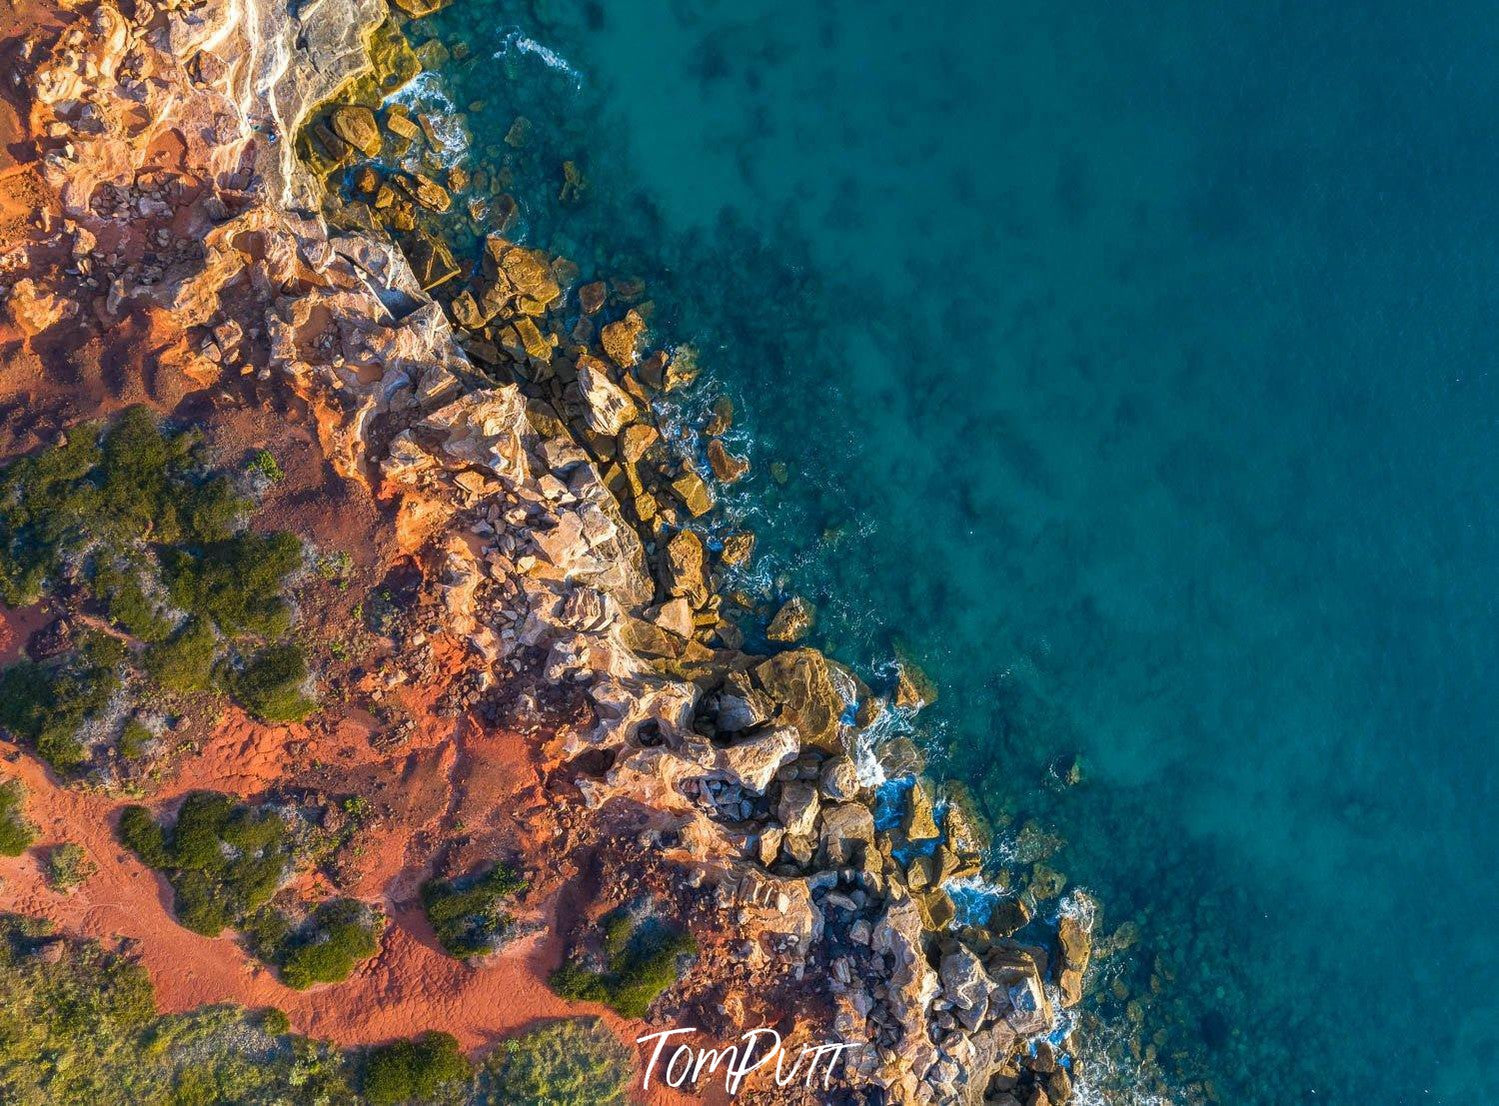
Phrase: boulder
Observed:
(726, 466)
(964, 981)
(621, 339)
(839, 779)
(792, 622)
(800, 683)
(694, 494)
(847, 838)
(591, 296)
(356, 125)
(797, 810)
(919, 823)
(737, 547)
(685, 567)
(606, 408)
(756, 759)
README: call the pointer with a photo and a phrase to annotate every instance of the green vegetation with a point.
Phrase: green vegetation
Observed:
(68, 866)
(45, 705)
(78, 1024)
(575, 1062)
(425, 1069)
(16, 832)
(184, 663)
(224, 860)
(468, 914)
(129, 518)
(338, 935)
(237, 582)
(264, 463)
(270, 684)
(82, 1027)
(642, 958)
(135, 739)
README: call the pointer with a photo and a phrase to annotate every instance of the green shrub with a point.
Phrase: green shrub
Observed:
(574, 1062)
(237, 583)
(264, 463)
(468, 915)
(82, 1028)
(224, 860)
(129, 607)
(270, 684)
(340, 934)
(44, 705)
(141, 835)
(135, 738)
(417, 1070)
(16, 832)
(68, 866)
(184, 663)
(643, 957)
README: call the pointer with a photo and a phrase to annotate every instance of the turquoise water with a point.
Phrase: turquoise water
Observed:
(1133, 364)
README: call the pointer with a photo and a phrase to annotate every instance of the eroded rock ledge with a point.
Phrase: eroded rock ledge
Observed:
(721, 783)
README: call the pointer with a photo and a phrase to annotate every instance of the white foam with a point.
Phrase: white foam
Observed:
(524, 44)
(426, 95)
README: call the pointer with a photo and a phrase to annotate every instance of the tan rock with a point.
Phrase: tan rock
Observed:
(685, 567)
(34, 309)
(621, 338)
(792, 622)
(726, 466)
(591, 297)
(356, 125)
(737, 548)
(918, 822)
(428, 193)
(693, 491)
(800, 683)
(606, 409)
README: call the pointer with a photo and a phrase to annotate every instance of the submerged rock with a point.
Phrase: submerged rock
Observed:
(792, 622)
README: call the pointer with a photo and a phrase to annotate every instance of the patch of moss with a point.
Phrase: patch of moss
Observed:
(469, 915)
(16, 833)
(642, 959)
(425, 1069)
(573, 1062)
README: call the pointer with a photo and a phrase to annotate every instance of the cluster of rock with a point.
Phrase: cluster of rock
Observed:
(509, 421)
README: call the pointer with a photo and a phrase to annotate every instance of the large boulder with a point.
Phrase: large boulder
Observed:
(847, 838)
(685, 567)
(792, 622)
(606, 408)
(965, 984)
(797, 810)
(755, 759)
(356, 125)
(800, 683)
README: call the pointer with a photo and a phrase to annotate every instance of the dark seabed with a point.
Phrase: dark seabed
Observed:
(1132, 364)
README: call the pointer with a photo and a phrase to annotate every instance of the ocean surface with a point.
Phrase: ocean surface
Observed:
(1131, 366)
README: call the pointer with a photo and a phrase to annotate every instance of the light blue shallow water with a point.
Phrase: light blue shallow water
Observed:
(1132, 363)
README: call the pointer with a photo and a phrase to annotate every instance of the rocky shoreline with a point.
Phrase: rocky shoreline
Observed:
(504, 415)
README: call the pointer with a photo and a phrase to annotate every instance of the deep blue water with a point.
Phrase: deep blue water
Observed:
(1134, 365)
